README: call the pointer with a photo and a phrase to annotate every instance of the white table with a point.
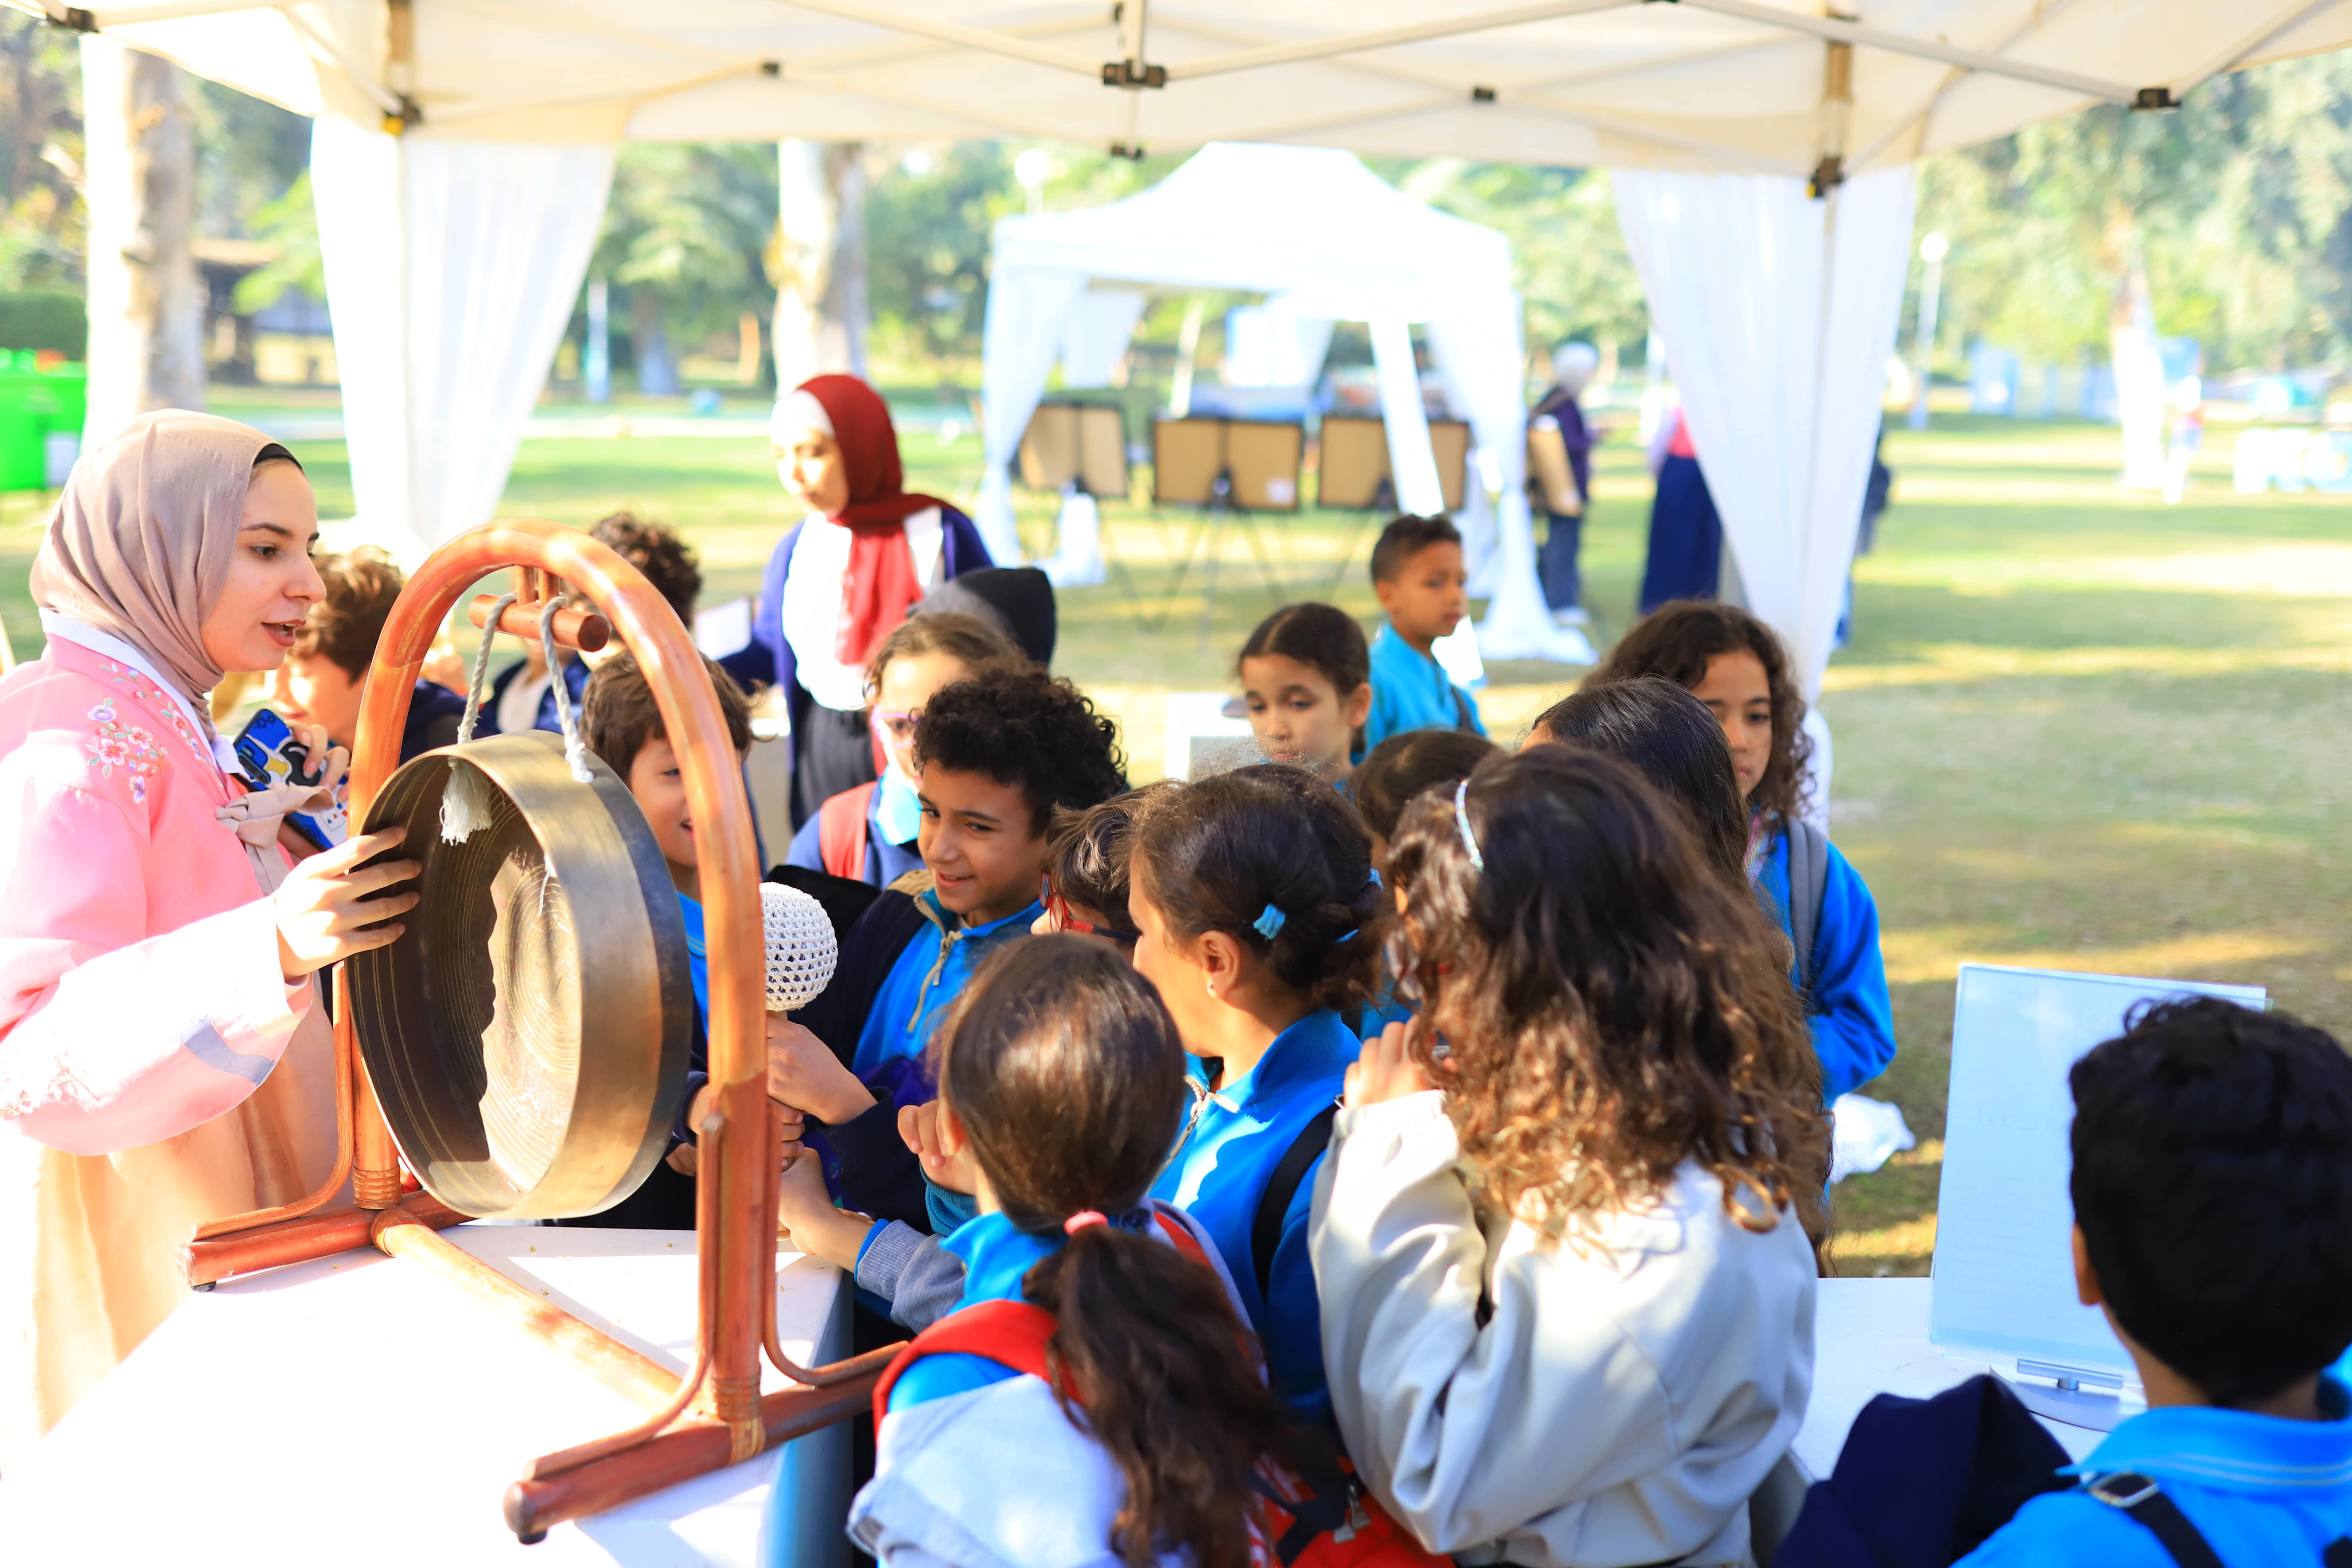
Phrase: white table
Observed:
(359, 1411)
(1870, 1337)
(256, 1428)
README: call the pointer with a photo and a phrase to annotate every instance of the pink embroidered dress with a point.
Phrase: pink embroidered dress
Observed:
(156, 1069)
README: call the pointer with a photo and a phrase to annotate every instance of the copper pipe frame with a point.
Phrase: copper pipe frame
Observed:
(205, 1261)
(735, 1217)
(631, 1374)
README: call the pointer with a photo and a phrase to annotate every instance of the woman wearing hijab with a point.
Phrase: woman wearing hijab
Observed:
(844, 579)
(164, 1058)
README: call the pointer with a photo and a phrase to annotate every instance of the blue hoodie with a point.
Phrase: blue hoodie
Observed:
(1853, 1021)
(2261, 1489)
(1235, 1137)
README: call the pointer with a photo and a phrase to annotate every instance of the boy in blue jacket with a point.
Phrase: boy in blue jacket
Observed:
(1424, 589)
(2213, 1225)
(995, 755)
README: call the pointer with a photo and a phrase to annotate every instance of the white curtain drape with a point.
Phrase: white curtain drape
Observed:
(452, 268)
(1095, 335)
(1026, 308)
(1779, 313)
(1480, 358)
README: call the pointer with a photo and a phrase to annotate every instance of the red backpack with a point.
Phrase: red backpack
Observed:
(1316, 1515)
(841, 832)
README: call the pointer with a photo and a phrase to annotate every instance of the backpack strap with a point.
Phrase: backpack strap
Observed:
(2140, 1499)
(841, 832)
(1809, 870)
(1463, 719)
(1274, 1203)
(1011, 1333)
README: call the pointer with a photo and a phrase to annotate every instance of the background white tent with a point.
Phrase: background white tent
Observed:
(1771, 90)
(1330, 241)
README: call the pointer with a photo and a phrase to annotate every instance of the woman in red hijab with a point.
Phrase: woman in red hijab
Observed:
(845, 578)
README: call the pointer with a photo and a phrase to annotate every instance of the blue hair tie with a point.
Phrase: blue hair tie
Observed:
(1269, 922)
(1374, 874)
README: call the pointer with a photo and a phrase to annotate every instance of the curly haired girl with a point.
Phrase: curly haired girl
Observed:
(1731, 661)
(1568, 1293)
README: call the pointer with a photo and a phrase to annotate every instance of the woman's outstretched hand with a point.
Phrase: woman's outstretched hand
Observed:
(325, 911)
(1387, 1069)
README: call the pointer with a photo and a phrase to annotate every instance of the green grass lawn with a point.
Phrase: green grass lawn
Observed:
(2076, 728)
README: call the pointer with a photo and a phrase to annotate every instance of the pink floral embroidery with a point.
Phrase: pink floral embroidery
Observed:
(124, 746)
(163, 708)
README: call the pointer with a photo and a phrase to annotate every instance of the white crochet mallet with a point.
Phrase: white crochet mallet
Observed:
(802, 952)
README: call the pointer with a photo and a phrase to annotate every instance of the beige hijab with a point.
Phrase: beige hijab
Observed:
(140, 547)
(142, 538)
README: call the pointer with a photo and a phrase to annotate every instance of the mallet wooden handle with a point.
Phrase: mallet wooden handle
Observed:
(635, 1376)
(576, 626)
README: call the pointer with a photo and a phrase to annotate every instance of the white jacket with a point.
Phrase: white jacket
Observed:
(1549, 1408)
(998, 1476)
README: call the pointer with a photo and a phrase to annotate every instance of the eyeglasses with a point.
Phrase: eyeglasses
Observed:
(895, 729)
(1057, 910)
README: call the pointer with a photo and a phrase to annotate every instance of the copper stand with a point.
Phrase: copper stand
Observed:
(716, 1415)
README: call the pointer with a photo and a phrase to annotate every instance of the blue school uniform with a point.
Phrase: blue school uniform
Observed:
(996, 1256)
(1234, 1139)
(1851, 1020)
(928, 972)
(2262, 1489)
(1411, 691)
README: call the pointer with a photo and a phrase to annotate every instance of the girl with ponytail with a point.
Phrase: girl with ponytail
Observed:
(1261, 924)
(1060, 1072)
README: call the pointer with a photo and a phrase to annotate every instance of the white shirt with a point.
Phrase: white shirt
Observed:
(816, 585)
(67, 629)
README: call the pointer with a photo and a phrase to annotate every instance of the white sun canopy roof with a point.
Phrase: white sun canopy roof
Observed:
(1713, 84)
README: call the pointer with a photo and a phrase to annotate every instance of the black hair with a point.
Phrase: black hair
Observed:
(1406, 537)
(1406, 763)
(1680, 638)
(1674, 741)
(1221, 851)
(1025, 728)
(1323, 637)
(2213, 1188)
(654, 549)
(274, 453)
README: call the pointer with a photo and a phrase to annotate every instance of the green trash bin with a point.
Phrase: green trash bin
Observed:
(36, 405)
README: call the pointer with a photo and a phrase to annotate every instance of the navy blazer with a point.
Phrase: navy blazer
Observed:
(768, 657)
(575, 680)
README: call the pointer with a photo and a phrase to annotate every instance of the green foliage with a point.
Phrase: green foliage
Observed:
(1567, 251)
(291, 225)
(927, 237)
(52, 319)
(42, 229)
(2237, 206)
(688, 223)
(249, 153)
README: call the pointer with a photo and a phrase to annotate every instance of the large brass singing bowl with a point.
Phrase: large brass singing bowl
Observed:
(527, 1035)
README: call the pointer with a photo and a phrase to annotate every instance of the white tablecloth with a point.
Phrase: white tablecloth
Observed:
(359, 1410)
(1870, 1338)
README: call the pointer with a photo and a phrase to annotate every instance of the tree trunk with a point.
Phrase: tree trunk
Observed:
(146, 302)
(820, 270)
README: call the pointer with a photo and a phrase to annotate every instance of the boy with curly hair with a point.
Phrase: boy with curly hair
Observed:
(996, 755)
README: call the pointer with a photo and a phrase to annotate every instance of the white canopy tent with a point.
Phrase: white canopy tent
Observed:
(463, 282)
(1329, 240)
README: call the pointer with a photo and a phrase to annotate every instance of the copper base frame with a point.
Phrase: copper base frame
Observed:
(715, 1415)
